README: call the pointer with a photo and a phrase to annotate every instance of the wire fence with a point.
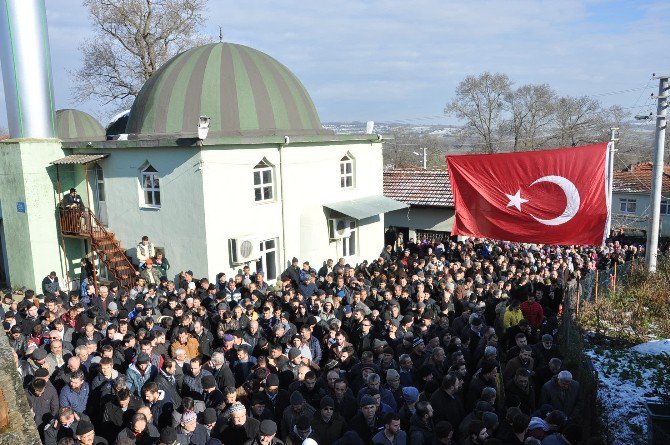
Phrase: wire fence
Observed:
(599, 283)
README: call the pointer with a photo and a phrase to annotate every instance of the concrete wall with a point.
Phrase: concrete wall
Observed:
(643, 202)
(207, 198)
(179, 223)
(22, 429)
(422, 218)
(310, 177)
(31, 238)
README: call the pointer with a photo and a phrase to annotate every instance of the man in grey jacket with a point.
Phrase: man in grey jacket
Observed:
(562, 393)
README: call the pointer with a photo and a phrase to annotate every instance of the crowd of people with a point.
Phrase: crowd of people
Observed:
(430, 343)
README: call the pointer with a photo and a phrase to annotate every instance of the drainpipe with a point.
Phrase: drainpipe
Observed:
(281, 194)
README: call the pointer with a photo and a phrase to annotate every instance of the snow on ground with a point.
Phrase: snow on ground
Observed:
(653, 347)
(628, 377)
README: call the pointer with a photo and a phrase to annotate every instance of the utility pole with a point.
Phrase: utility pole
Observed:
(425, 157)
(657, 178)
(614, 136)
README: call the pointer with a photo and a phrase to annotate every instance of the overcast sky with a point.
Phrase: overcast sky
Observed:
(400, 60)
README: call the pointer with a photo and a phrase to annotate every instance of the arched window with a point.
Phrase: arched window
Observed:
(151, 186)
(346, 172)
(263, 182)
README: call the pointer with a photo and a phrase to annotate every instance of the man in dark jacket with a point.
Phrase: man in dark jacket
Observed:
(446, 403)
(43, 403)
(267, 435)
(562, 393)
(368, 421)
(160, 404)
(239, 428)
(421, 425)
(328, 425)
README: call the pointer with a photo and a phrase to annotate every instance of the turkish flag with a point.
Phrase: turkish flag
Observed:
(545, 197)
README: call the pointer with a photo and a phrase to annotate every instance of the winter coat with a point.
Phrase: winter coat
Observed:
(327, 433)
(533, 313)
(137, 379)
(447, 407)
(419, 432)
(161, 410)
(560, 399)
(289, 418)
(45, 406)
(75, 400)
(199, 436)
(168, 384)
(381, 439)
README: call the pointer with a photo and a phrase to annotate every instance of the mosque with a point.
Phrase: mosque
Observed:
(222, 161)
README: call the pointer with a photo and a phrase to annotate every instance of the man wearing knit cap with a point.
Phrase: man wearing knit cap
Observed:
(85, 434)
(190, 431)
(367, 422)
(267, 435)
(393, 386)
(168, 436)
(302, 431)
(238, 429)
(410, 395)
(297, 408)
(328, 425)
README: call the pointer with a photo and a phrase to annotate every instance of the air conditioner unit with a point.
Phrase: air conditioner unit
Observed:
(243, 250)
(339, 228)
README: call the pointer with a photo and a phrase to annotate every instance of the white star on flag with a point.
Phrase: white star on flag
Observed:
(515, 200)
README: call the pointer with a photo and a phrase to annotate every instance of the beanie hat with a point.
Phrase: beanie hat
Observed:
(188, 416)
(293, 353)
(410, 394)
(168, 436)
(84, 427)
(302, 423)
(208, 382)
(367, 400)
(392, 374)
(208, 416)
(237, 407)
(297, 398)
(490, 419)
(327, 402)
(272, 380)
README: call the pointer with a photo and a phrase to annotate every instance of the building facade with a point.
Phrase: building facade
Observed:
(224, 163)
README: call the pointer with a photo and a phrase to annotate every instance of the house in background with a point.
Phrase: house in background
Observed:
(631, 199)
(428, 195)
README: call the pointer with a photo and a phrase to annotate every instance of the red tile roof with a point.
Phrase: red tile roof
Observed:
(637, 178)
(419, 187)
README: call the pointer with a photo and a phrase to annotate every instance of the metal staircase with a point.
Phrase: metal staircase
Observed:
(82, 223)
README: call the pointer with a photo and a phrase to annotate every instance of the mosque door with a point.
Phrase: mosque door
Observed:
(98, 188)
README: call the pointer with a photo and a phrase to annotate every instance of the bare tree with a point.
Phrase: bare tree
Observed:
(133, 38)
(531, 109)
(576, 121)
(480, 102)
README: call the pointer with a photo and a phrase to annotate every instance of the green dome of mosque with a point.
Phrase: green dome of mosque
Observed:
(75, 125)
(244, 92)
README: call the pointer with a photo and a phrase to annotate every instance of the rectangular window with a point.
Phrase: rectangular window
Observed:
(627, 205)
(349, 243)
(263, 184)
(665, 207)
(151, 187)
(268, 259)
